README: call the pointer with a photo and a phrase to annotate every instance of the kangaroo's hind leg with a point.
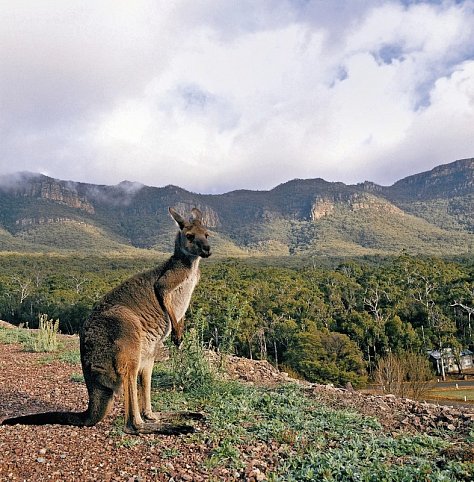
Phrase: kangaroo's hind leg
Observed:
(144, 391)
(129, 364)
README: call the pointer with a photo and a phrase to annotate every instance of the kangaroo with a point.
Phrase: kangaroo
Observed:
(124, 334)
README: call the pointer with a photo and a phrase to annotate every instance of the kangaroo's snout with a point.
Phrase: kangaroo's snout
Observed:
(206, 251)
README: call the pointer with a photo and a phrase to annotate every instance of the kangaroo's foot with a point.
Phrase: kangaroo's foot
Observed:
(159, 428)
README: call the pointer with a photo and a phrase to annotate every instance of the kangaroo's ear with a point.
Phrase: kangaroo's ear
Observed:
(196, 215)
(177, 217)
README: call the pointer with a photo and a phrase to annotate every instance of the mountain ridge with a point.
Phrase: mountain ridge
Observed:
(434, 210)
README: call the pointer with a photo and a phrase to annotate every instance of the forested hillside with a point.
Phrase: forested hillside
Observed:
(428, 213)
(323, 323)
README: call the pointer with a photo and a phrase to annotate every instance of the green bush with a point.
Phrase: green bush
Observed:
(323, 356)
(190, 370)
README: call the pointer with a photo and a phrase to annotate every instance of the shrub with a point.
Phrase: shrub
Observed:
(190, 369)
(46, 339)
(407, 374)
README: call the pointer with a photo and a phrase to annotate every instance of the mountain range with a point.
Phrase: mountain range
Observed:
(427, 213)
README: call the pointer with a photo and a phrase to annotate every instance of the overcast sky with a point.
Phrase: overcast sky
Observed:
(227, 94)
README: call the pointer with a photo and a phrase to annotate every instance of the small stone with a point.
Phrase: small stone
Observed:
(42, 451)
(257, 475)
(41, 460)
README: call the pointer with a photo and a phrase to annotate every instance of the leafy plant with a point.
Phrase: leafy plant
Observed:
(189, 369)
(308, 440)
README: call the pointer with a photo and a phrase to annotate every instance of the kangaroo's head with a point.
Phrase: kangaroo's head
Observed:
(192, 237)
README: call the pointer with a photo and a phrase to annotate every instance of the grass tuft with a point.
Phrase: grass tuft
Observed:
(46, 338)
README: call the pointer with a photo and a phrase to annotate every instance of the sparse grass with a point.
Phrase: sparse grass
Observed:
(169, 453)
(9, 336)
(297, 438)
(70, 355)
(452, 394)
(77, 377)
(67, 352)
(45, 339)
(128, 442)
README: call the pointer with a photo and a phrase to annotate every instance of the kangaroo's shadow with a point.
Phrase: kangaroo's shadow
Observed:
(15, 403)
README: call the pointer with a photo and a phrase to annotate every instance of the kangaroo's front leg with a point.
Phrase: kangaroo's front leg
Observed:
(177, 325)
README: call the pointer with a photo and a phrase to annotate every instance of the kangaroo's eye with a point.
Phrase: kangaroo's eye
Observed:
(190, 237)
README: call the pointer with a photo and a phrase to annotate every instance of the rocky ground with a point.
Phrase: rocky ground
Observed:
(31, 382)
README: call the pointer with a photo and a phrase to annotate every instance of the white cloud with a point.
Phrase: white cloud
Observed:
(250, 95)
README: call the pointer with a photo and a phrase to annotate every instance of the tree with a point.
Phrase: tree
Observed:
(325, 356)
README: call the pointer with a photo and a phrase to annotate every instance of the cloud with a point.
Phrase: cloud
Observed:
(215, 96)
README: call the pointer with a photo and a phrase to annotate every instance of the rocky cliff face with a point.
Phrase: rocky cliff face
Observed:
(447, 180)
(42, 187)
(365, 201)
(321, 208)
(56, 192)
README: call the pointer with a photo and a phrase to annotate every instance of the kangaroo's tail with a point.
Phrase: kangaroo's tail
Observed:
(100, 403)
(58, 418)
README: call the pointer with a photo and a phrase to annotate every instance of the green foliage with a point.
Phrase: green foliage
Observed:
(70, 356)
(19, 335)
(324, 356)
(259, 309)
(309, 440)
(189, 370)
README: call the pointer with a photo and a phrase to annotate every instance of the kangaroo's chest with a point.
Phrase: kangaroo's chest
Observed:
(181, 295)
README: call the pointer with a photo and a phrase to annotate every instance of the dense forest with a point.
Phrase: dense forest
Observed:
(326, 322)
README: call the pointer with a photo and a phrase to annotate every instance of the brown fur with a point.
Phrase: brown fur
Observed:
(124, 334)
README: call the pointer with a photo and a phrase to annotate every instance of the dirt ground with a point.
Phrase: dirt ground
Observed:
(35, 453)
